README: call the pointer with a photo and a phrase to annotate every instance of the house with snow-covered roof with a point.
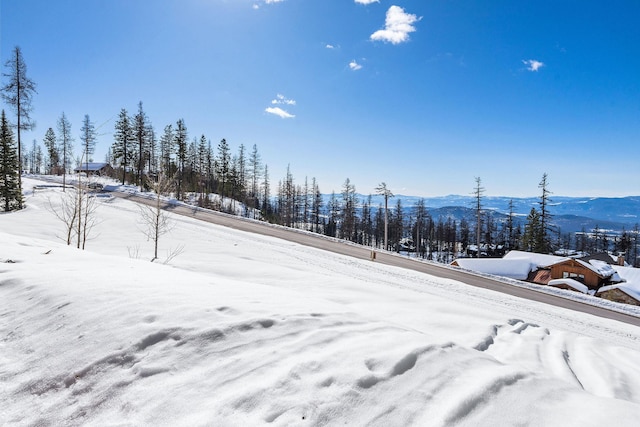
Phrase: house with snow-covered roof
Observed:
(593, 274)
(627, 291)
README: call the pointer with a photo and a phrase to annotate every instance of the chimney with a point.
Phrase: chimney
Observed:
(621, 260)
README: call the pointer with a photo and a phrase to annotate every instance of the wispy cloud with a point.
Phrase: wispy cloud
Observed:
(367, 1)
(532, 64)
(277, 111)
(283, 100)
(354, 65)
(330, 46)
(257, 5)
(398, 24)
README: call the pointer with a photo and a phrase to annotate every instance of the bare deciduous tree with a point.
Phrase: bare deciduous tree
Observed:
(76, 209)
(154, 220)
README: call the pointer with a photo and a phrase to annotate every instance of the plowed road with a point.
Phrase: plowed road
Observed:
(383, 258)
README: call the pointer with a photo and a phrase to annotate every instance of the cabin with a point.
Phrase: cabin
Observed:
(95, 169)
(593, 274)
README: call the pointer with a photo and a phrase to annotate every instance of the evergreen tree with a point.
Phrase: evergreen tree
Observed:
(397, 225)
(88, 138)
(266, 193)
(478, 193)
(65, 140)
(52, 151)
(254, 174)
(316, 205)
(17, 93)
(546, 229)
(123, 140)
(464, 233)
(384, 191)
(223, 160)
(531, 238)
(10, 192)
(348, 217)
(180, 142)
(510, 230)
(39, 158)
(420, 227)
(140, 133)
(152, 149)
(334, 210)
(166, 152)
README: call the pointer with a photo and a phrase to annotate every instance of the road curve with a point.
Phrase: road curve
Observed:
(361, 252)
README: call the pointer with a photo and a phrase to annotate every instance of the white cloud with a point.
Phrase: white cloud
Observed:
(367, 1)
(272, 1)
(279, 112)
(532, 64)
(397, 26)
(354, 65)
(283, 100)
(330, 46)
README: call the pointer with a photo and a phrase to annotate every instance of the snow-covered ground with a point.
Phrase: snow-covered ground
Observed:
(249, 330)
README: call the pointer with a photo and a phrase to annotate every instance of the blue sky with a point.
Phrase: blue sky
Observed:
(424, 95)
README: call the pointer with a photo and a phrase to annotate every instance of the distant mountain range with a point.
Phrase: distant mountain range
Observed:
(571, 214)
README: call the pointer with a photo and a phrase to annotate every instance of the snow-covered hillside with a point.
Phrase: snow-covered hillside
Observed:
(249, 330)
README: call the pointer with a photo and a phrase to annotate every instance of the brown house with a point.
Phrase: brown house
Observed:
(581, 271)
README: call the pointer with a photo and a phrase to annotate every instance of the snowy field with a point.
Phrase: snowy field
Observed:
(246, 330)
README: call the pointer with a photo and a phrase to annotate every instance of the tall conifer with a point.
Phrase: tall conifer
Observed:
(10, 191)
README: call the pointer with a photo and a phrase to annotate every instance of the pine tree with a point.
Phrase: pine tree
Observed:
(545, 217)
(316, 205)
(180, 142)
(510, 230)
(348, 217)
(17, 93)
(266, 193)
(52, 151)
(254, 172)
(65, 146)
(140, 129)
(531, 239)
(384, 191)
(166, 152)
(223, 161)
(123, 139)
(478, 192)
(88, 138)
(10, 191)
(152, 149)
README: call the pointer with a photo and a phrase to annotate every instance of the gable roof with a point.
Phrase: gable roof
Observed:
(632, 292)
(600, 256)
(600, 268)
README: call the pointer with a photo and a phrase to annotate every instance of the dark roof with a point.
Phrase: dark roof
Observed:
(91, 166)
(601, 256)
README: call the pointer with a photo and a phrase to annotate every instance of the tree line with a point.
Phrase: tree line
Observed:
(237, 181)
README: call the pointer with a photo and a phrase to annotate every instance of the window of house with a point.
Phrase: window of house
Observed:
(576, 276)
